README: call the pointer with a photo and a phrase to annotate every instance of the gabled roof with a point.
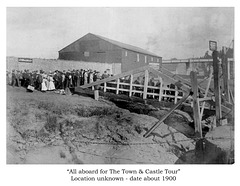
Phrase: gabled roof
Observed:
(127, 46)
(119, 44)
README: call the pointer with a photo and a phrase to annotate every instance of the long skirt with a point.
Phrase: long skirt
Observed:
(51, 86)
(44, 87)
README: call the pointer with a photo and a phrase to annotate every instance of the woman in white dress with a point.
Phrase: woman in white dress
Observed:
(44, 83)
(51, 85)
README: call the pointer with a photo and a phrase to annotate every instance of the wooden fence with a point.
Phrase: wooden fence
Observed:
(160, 92)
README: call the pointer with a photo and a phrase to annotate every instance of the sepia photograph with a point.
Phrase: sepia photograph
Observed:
(120, 85)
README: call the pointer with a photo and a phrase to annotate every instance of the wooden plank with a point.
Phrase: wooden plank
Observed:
(117, 92)
(176, 95)
(137, 91)
(229, 74)
(182, 80)
(96, 94)
(204, 99)
(196, 112)
(225, 74)
(121, 83)
(111, 88)
(160, 89)
(166, 115)
(167, 72)
(131, 85)
(232, 98)
(167, 78)
(145, 85)
(206, 92)
(217, 87)
(105, 87)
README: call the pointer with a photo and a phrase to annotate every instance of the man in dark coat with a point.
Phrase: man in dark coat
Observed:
(55, 78)
(14, 79)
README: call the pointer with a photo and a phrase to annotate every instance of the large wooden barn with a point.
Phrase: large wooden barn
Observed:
(94, 48)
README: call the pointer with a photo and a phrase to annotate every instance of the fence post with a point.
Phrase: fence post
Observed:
(160, 89)
(105, 87)
(96, 95)
(117, 92)
(131, 82)
(145, 85)
(176, 95)
(196, 111)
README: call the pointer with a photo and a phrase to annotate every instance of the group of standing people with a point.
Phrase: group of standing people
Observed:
(60, 80)
(49, 81)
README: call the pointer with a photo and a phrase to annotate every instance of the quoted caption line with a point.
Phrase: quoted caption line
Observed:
(84, 175)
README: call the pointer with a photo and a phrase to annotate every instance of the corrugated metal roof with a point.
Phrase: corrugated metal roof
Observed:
(127, 46)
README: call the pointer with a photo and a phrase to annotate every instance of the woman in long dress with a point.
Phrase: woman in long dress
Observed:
(44, 83)
(51, 85)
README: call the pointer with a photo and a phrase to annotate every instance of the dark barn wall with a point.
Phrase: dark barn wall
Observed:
(130, 62)
(98, 49)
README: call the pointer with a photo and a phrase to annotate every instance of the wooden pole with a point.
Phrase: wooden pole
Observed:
(196, 111)
(105, 87)
(96, 95)
(166, 115)
(160, 89)
(145, 85)
(131, 82)
(225, 74)
(229, 67)
(217, 88)
(176, 94)
(117, 92)
(206, 92)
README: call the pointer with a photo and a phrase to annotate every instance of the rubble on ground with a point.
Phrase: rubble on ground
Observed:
(45, 128)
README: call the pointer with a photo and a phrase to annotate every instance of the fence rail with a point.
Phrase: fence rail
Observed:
(160, 92)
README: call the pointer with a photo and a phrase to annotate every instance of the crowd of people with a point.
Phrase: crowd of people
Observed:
(61, 80)
(49, 81)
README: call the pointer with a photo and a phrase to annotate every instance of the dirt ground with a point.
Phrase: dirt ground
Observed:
(48, 128)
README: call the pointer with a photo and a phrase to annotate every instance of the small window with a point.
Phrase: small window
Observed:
(151, 58)
(145, 59)
(158, 60)
(137, 57)
(126, 53)
(86, 54)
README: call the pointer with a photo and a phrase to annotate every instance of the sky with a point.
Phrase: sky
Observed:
(168, 32)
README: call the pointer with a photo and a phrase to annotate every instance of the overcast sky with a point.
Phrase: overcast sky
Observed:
(168, 32)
